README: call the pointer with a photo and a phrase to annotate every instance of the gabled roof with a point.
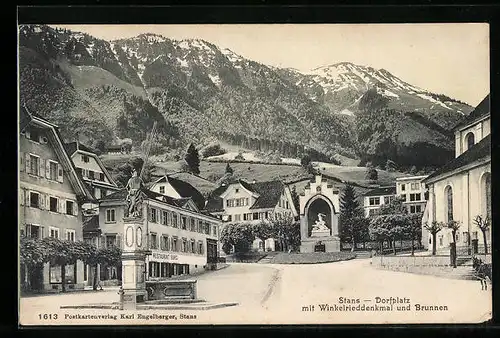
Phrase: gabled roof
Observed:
(184, 189)
(478, 151)
(72, 147)
(482, 109)
(381, 191)
(82, 192)
(201, 184)
(269, 194)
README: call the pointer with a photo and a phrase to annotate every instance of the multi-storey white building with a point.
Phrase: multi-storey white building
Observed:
(182, 239)
(239, 201)
(461, 190)
(375, 198)
(50, 197)
(413, 192)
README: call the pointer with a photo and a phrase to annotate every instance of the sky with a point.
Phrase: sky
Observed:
(450, 59)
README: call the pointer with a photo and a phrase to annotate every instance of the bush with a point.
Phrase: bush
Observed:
(371, 174)
(213, 150)
(239, 156)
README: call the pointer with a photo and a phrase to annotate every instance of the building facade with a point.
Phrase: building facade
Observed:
(182, 239)
(375, 198)
(239, 201)
(50, 197)
(461, 190)
(413, 192)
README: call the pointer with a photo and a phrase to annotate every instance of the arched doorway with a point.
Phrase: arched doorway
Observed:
(319, 206)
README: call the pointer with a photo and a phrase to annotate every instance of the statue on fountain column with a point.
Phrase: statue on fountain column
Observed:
(134, 197)
(320, 224)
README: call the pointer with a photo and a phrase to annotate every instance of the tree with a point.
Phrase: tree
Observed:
(379, 230)
(390, 165)
(229, 170)
(295, 198)
(371, 174)
(454, 226)
(434, 227)
(413, 170)
(413, 229)
(237, 235)
(193, 160)
(483, 224)
(305, 160)
(395, 206)
(285, 230)
(350, 211)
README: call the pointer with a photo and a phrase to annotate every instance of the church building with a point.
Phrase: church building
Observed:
(461, 189)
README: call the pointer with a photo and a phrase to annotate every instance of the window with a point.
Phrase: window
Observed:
(53, 204)
(175, 243)
(34, 199)
(403, 198)
(33, 231)
(214, 231)
(374, 200)
(110, 216)
(237, 218)
(414, 186)
(85, 158)
(465, 237)
(34, 165)
(184, 245)
(415, 209)
(255, 215)
(164, 243)
(154, 241)
(53, 170)
(110, 241)
(162, 189)
(287, 206)
(193, 224)
(449, 203)
(236, 190)
(469, 139)
(403, 187)
(101, 177)
(206, 228)
(386, 200)
(200, 248)
(152, 215)
(246, 217)
(54, 232)
(69, 207)
(164, 217)
(34, 134)
(175, 220)
(193, 246)
(183, 223)
(91, 174)
(70, 235)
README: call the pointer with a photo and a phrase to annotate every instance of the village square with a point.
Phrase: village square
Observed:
(142, 224)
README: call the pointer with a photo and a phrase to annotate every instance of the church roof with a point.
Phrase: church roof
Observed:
(478, 151)
(482, 109)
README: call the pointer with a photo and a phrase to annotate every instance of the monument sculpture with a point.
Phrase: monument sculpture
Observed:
(134, 197)
(319, 228)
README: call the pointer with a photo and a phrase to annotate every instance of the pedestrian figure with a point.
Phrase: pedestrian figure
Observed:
(99, 284)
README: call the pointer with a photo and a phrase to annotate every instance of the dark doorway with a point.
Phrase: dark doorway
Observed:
(319, 247)
(317, 207)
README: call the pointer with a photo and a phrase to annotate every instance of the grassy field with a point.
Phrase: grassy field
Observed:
(311, 258)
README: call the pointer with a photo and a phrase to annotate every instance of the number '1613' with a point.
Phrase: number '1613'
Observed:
(47, 316)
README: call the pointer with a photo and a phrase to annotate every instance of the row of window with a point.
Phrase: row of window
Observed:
(35, 165)
(237, 202)
(90, 174)
(43, 201)
(413, 209)
(184, 222)
(376, 200)
(248, 216)
(413, 186)
(283, 204)
(37, 231)
(157, 269)
(173, 243)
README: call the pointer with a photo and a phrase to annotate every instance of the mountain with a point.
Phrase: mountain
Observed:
(197, 92)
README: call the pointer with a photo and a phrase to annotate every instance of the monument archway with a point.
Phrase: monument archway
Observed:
(319, 205)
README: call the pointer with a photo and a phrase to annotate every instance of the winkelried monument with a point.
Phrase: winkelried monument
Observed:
(319, 215)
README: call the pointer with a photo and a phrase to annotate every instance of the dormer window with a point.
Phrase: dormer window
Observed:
(236, 190)
(85, 158)
(469, 138)
(162, 189)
